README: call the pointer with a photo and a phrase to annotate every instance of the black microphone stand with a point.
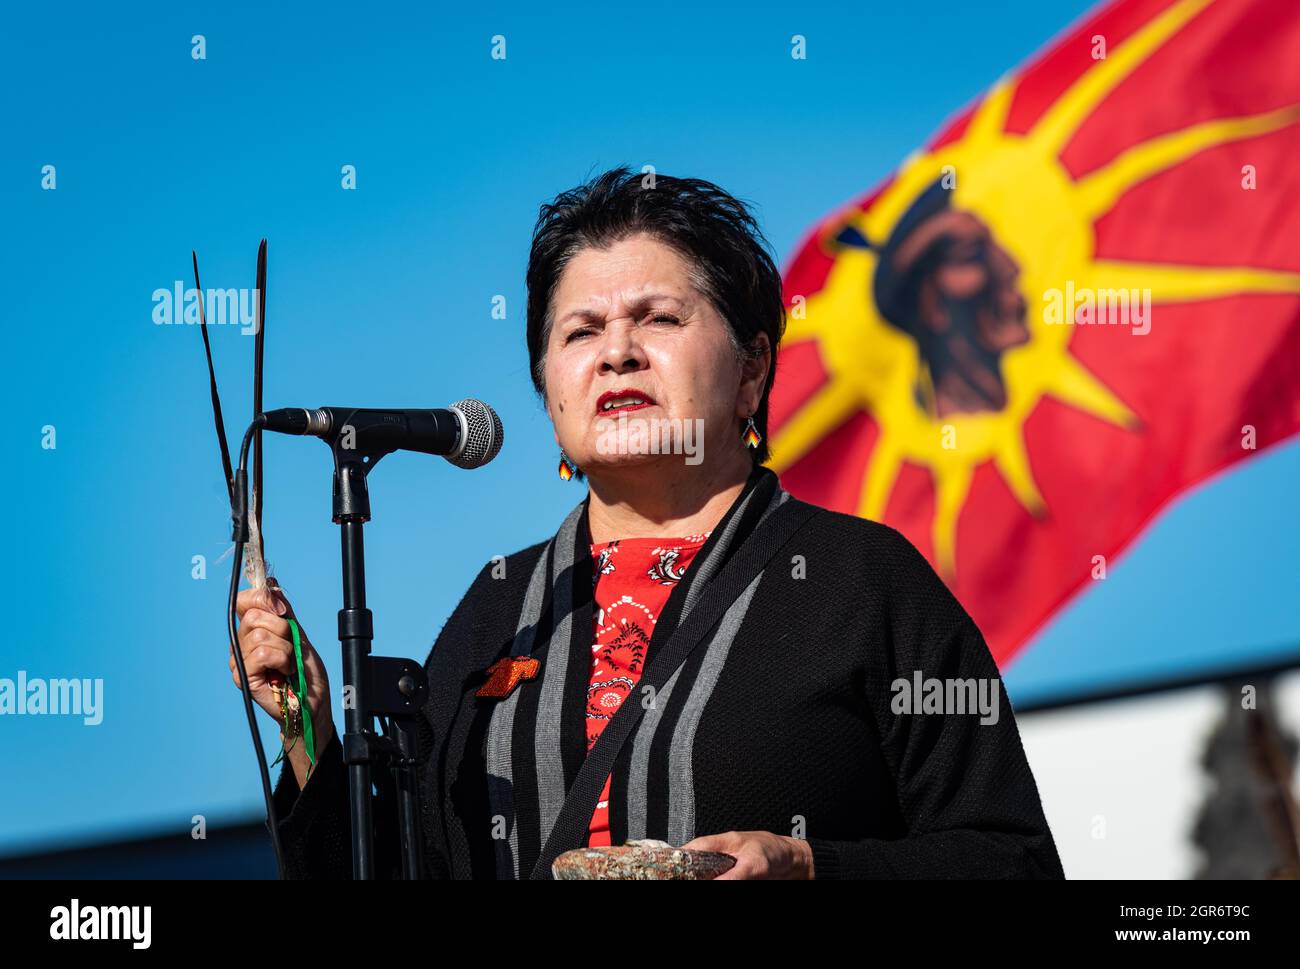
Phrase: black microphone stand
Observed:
(373, 686)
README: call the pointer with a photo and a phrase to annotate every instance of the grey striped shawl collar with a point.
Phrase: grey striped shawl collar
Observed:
(536, 766)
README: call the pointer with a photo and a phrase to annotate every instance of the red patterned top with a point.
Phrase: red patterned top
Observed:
(633, 580)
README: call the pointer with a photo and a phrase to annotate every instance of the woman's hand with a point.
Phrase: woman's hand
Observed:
(760, 854)
(267, 647)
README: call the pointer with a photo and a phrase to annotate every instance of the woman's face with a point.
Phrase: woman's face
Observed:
(635, 355)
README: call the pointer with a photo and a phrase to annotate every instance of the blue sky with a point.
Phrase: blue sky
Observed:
(382, 296)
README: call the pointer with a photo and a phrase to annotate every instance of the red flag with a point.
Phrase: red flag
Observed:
(1082, 298)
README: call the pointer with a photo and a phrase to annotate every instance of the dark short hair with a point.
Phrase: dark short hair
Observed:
(713, 231)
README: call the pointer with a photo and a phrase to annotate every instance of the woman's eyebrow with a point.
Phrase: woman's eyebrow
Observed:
(638, 305)
(584, 314)
(642, 303)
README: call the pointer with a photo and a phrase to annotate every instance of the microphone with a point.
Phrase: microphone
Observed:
(468, 433)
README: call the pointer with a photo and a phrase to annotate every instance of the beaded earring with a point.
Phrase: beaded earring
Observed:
(567, 468)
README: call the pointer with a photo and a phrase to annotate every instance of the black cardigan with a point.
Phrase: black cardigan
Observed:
(782, 720)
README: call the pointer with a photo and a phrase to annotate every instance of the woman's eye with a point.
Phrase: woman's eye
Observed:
(665, 318)
(575, 334)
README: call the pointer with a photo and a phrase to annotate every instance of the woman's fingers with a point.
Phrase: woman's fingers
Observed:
(255, 599)
(261, 664)
(270, 598)
(257, 618)
(759, 854)
(280, 602)
(739, 845)
(266, 645)
(263, 653)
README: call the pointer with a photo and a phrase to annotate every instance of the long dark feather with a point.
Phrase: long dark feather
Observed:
(259, 343)
(212, 385)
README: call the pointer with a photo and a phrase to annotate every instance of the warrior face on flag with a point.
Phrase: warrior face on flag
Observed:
(943, 279)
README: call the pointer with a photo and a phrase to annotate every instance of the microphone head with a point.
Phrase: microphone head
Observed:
(481, 434)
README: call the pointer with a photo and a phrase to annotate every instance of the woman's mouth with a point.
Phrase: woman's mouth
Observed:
(616, 401)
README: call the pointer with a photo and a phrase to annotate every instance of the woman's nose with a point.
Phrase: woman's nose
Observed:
(622, 351)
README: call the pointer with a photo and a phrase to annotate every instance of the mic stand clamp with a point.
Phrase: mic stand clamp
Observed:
(373, 686)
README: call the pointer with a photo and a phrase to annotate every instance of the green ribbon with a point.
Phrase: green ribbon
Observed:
(301, 690)
(302, 695)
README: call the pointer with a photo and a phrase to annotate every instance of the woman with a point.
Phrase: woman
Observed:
(695, 656)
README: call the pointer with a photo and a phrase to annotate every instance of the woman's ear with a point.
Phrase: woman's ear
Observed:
(756, 361)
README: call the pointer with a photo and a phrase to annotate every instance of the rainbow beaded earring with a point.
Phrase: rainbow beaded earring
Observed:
(751, 437)
(567, 468)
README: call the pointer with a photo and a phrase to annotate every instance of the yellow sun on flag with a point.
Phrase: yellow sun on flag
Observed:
(1016, 185)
